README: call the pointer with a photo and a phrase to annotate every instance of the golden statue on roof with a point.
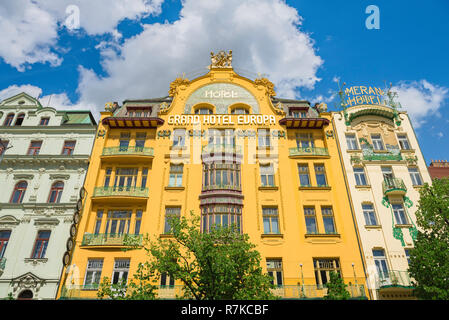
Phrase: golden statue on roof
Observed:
(221, 59)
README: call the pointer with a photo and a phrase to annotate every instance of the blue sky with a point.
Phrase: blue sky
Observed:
(135, 50)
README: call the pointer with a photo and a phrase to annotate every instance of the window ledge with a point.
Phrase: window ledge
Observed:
(35, 261)
(174, 188)
(272, 235)
(314, 188)
(373, 226)
(418, 186)
(354, 150)
(178, 148)
(408, 150)
(403, 226)
(268, 188)
(381, 151)
(166, 236)
(270, 148)
(322, 235)
(365, 186)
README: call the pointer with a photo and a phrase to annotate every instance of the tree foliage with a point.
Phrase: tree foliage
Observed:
(429, 259)
(336, 288)
(221, 264)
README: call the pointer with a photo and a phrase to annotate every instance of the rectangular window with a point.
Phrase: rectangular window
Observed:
(304, 178)
(274, 269)
(305, 140)
(324, 268)
(403, 142)
(264, 137)
(40, 246)
(170, 213)
(98, 221)
(118, 222)
(68, 148)
(415, 176)
(35, 147)
(369, 214)
(399, 214)
(267, 175)
(140, 140)
(121, 269)
(176, 171)
(360, 178)
(144, 178)
(107, 177)
(44, 121)
(93, 273)
(4, 239)
(328, 220)
(381, 264)
(388, 175)
(138, 222)
(166, 280)
(407, 255)
(125, 178)
(320, 174)
(179, 137)
(351, 141)
(377, 142)
(309, 214)
(124, 141)
(270, 220)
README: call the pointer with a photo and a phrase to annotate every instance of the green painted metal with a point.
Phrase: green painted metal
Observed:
(108, 239)
(2, 263)
(120, 191)
(393, 184)
(308, 152)
(113, 151)
(222, 187)
(393, 278)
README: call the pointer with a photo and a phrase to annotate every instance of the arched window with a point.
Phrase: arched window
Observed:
(56, 192)
(19, 119)
(203, 110)
(8, 120)
(25, 295)
(19, 192)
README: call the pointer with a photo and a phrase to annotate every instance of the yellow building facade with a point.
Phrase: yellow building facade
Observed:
(224, 147)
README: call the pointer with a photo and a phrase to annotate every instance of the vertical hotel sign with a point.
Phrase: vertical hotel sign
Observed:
(357, 95)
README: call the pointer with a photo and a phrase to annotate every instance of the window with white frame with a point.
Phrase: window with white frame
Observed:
(93, 273)
(274, 269)
(380, 262)
(324, 268)
(415, 176)
(264, 138)
(351, 141)
(399, 213)
(369, 214)
(360, 178)
(175, 179)
(377, 142)
(328, 220)
(403, 142)
(179, 137)
(270, 220)
(120, 272)
(267, 175)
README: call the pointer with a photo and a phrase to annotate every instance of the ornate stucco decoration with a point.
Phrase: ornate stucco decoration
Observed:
(23, 176)
(59, 176)
(267, 84)
(178, 82)
(164, 107)
(8, 222)
(322, 107)
(221, 59)
(27, 281)
(411, 160)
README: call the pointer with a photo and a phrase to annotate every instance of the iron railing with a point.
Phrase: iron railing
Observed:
(308, 151)
(393, 278)
(393, 184)
(120, 191)
(2, 264)
(314, 291)
(113, 151)
(222, 187)
(107, 239)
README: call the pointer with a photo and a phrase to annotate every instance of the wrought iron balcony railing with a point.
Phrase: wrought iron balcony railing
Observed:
(2, 264)
(309, 151)
(394, 185)
(111, 239)
(393, 278)
(120, 191)
(314, 291)
(114, 151)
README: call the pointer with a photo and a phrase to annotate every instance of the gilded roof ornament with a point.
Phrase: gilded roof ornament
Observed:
(266, 83)
(221, 59)
(176, 83)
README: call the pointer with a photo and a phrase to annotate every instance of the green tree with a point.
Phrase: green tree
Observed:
(221, 264)
(336, 288)
(429, 259)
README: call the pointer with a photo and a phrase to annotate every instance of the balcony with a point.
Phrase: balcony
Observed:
(221, 149)
(394, 186)
(113, 195)
(308, 152)
(169, 292)
(222, 187)
(110, 239)
(314, 292)
(394, 279)
(73, 291)
(126, 153)
(2, 265)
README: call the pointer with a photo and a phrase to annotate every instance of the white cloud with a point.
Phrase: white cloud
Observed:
(30, 27)
(421, 99)
(264, 35)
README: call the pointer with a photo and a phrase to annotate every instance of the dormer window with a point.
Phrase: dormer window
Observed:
(240, 111)
(139, 112)
(203, 111)
(298, 114)
(44, 121)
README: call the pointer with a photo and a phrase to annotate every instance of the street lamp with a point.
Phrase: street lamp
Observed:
(302, 280)
(355, 277)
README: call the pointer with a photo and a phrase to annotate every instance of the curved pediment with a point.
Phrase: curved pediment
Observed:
(9, 220)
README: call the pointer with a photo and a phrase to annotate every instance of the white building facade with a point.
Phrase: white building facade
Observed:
(385, 170)
(43, 162)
